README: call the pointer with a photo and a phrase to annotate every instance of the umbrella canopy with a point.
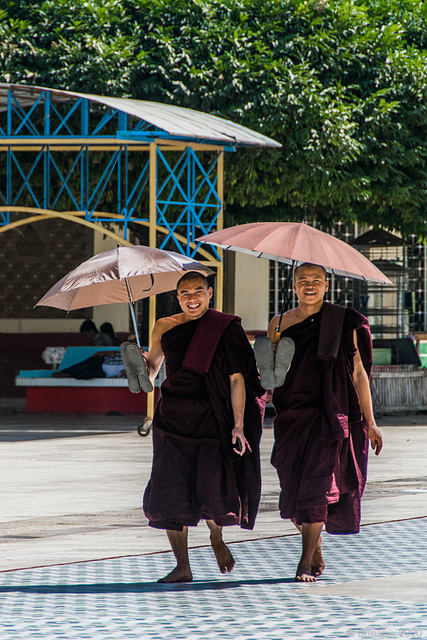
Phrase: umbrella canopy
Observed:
(294, 243)
(125, 274)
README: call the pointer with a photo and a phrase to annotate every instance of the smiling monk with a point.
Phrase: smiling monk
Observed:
(324, 417)
(206, 426)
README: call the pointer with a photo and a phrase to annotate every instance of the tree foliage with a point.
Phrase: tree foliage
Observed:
(340, 83)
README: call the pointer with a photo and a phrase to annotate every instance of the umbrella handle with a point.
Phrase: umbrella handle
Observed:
(277, 333)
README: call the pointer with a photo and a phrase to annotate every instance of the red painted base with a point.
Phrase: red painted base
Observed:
(85, 400)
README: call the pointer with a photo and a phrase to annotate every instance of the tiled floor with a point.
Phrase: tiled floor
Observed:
(120, 599)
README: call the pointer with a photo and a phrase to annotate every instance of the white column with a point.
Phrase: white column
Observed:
(251, 291)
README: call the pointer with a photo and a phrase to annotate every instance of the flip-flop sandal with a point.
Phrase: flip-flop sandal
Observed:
(284, 353)
(264, 356)
(139, 365)
(133, 382)
(136, 368)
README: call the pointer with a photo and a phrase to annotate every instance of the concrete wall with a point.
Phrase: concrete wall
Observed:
(251, 291)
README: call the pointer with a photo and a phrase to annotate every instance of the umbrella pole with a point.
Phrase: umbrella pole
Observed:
(132, 313)
(131, 307)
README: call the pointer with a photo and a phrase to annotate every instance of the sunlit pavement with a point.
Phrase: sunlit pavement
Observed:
(71, 507)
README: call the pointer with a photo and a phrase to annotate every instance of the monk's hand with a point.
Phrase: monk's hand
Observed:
(374, 435)
(237, 436)
(147, 364)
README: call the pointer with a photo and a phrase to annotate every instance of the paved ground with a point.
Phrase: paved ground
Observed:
(77, 559)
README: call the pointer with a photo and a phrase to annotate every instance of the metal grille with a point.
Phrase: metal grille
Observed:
(393, 312)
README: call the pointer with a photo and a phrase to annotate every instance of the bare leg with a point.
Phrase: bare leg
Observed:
(317, 562)
(182, 571)
(310, 538)
(222, 553)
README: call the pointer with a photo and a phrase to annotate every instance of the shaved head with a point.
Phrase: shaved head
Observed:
(192, 275)
(310, 265)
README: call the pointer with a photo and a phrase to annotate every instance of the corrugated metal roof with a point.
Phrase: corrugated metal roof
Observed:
(176, 122)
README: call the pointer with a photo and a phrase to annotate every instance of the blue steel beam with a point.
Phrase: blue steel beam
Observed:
(63, 121)
(181, 190)
(26, 179)
(136, 192)
(95, 197)
(25, 118)
(64, 180)
(158, 134)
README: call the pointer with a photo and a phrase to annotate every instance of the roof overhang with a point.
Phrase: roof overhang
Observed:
(172, 124)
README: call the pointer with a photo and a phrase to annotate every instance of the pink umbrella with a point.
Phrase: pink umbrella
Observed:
(294, 243)
(125, 274)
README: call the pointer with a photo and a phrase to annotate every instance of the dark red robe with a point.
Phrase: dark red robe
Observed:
(321, 443)
(196, 474)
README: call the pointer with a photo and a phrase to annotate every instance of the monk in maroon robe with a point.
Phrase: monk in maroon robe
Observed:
(324, 417)
(206, 426)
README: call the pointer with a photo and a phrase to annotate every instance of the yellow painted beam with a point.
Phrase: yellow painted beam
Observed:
(106, 144)
(152, 241)
(220, 224)
(64, 215)
(47, 213)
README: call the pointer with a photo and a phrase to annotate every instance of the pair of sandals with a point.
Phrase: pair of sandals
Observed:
(136, 367)
(273, 367)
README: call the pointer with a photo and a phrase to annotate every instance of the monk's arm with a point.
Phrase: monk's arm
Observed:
(286, 320)
(272, 327)
(361, 382)
(238, 401)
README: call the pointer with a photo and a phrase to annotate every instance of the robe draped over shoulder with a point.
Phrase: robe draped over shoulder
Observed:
(321, 443)
(196, 474)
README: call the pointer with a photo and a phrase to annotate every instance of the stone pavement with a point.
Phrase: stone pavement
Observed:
(77, 559)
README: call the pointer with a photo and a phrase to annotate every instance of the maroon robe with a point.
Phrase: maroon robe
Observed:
(196, 474)
(321, 443)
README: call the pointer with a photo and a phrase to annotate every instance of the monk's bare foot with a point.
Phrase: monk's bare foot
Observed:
(222, 554)
(178, 575)
(304, 574)
(317, 562)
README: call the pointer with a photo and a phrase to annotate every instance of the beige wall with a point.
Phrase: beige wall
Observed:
(251, 291)
(29, 325)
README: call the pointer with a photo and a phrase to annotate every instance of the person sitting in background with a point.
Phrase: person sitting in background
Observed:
(112, 365)
(106, 328)
(102, 364)
(95, 338)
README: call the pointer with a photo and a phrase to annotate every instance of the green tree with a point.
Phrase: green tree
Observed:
(341, 84)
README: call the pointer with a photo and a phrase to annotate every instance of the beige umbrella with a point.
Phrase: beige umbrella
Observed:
(124, 274)
(294, 243)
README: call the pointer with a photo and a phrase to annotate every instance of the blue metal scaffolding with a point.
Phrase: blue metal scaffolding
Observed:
(111, 158)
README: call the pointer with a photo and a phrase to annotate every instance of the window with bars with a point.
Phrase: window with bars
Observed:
(393, 311)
